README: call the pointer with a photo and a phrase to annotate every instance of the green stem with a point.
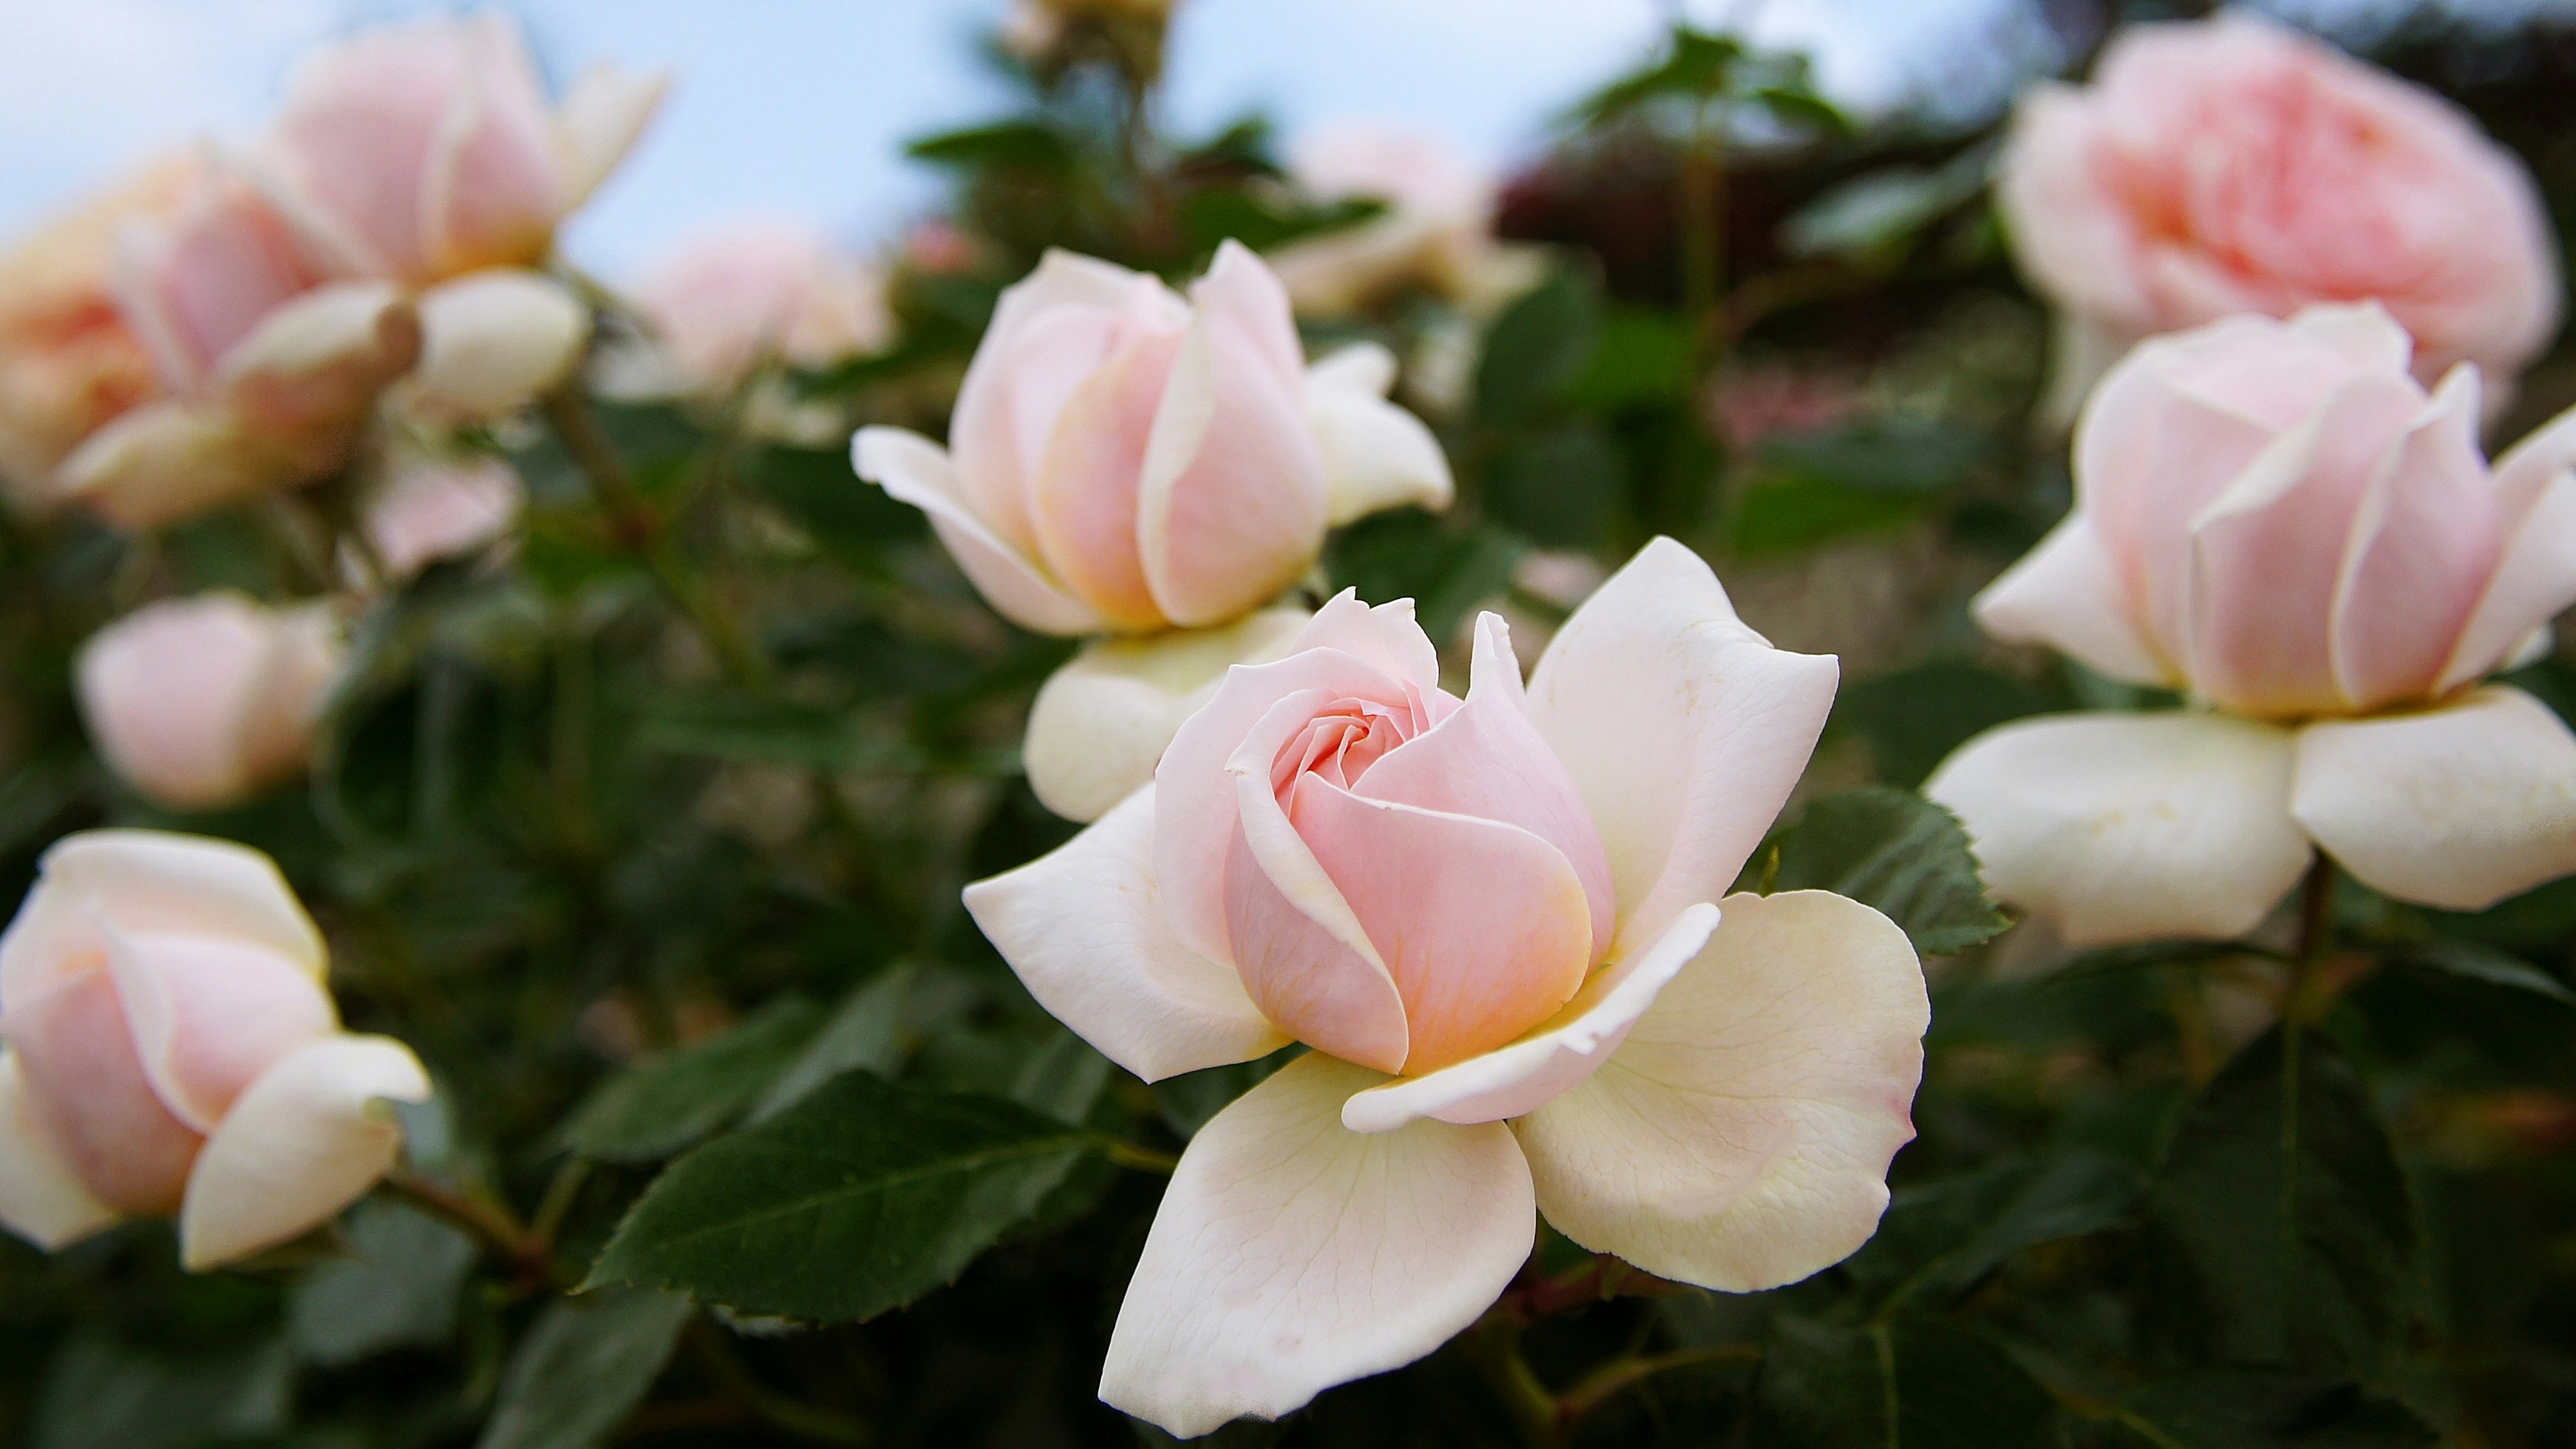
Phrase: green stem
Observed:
(491, 1223)
(636, 528)
(1495, 1345)
(561, 1193)
(2300, 1006)
(1612, 1380)
(789, 1415)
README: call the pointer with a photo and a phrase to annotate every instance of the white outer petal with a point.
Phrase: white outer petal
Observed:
(164, 461)
(304, 1141)
(2066, 594)
(1739, 1139)
(1100, 723)
(149, 881)
(1683, 728)
(597, 122)
(492, 340)
(2456, 807)
(2131, 827)
(1552, 1058)
(912, 469)
(1376, 455)
(1085, 928)
(2536, 577)
(1291, 1254)
(40, 1200)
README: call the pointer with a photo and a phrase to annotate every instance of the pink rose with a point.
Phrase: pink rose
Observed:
(68, 362)
(760, 291)
(1496, 920)
(272, 368)
(436, 508)
(1124, 460)
(172, 1050)
(1436, 231)
(2233, 165)
(202, 702)
(2277, 519)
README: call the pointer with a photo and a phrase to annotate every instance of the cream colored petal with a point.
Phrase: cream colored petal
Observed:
(492, 340)
(2131, 827)
(40, 1199)
(1291, 1254)
(2066, 594)
(149, 881)
(1563, 1051)
(597, 123)
(2456, 807)
(165, 461)
(1100, 723)
(1376, 455)
(1684, 730)
(1739, 1138)
(1085, 928)
(912, 469)
(306, 1140)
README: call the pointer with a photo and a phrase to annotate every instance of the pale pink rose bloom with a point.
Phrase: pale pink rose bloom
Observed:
(2232, 165)
(437, 508)
(271, 367)
(2276, 519)
(172, 1050)
(202, 702)
(1124, 459)
(1497, 921)
(426, 154)
(69, 364)
(1436, 231)
(762, 291)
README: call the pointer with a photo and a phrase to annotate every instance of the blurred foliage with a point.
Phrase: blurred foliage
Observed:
(648, 833)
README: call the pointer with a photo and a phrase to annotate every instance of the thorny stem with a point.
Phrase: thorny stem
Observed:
(637, 530)
(795, 1416)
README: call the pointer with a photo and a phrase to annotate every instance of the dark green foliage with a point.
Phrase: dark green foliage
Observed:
(1893, 850)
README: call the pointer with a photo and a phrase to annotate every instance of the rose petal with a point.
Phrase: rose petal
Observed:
(492, 340)
(1684, 731)
(306, 1140)
(2535, 577)
(1086, 930)
(1570, 1046)
(163, 461)
(149, 881)
(307, 374)
(1099, 724)
(2066, 594)
(1739, 1138)
(2424, 544)
(92, 1098)
(1290, 1254)
(1385, 635)
(41, 1199)
(1196, 827)
(1376, 455)
(493, 187)
(1082, 503)
(168, 692)
(597, 122)
(912, 469)
(1486, 760)
(208, 1015)
(2125, 827)
(2457, 806)
(1232, 505)
(1305, 957)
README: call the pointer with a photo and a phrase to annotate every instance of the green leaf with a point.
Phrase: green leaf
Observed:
(1018, 145)
(1220, 214)
(1874, 219)
(1800, 107)
(648, 1113)
(584, 1367)
(1699, 66)
(1640, 358)
(864, 1033)
(99, 1394)
(1561, 487)
(2485, 963)
(1890, 453)
(844, 514)
(1793, 516)
(1941, 1238)
(759, 730)
(2240, 1409)
(1899, 852)
(1915, 1383)
(858, 1199)
(398, 1288)
(1913, 718)
(2282, 1208)
(1537, 347)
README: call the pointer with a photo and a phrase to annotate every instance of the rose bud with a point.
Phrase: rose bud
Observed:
(433, 508)
(202, 702)
(759, 292)
(2233, 165)
(172, 1050)
(2277, 520)
(1497, 922)
(1124, 460)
